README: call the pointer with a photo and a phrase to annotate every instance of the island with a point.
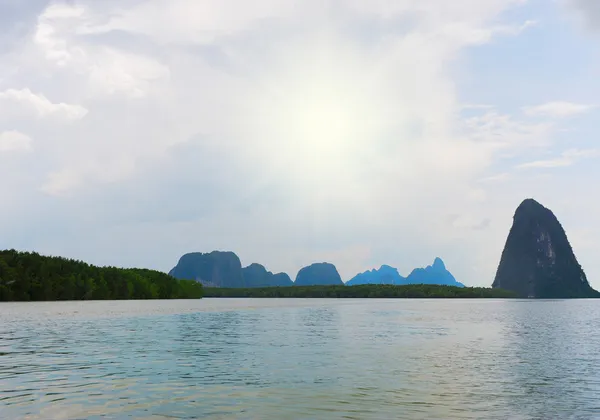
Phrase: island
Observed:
(414, 291)
(537, 260)
(28, 276)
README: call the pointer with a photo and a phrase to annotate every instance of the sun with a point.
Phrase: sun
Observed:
(317, 120)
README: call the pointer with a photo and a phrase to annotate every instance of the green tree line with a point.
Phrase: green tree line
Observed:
(362, 291)
(26, 276)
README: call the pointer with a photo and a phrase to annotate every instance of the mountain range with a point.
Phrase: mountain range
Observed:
(432, 274)
(537, 262)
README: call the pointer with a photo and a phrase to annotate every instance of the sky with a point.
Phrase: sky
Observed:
(297, 131)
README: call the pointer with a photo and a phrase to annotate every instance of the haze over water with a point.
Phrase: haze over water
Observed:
(300, 359)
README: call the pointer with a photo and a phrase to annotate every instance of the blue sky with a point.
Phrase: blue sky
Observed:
(288, 131)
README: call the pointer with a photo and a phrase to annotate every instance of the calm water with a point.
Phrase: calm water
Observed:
(300, 359)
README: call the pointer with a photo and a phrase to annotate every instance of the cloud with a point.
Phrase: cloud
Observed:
(557, 109)
(506, 134)
(193, 21)
(61, 182)
(468, 222)
(60, 36)
(590, 11)
(14, 141)
(332, 113)
(567, 158)
(23, 101)
(496, 178)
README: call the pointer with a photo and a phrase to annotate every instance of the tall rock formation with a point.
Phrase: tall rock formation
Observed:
(215, 269)
(256, 275)
(318, 274)
(433, 274)
(537, 260)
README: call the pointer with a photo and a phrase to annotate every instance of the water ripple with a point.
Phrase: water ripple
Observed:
(300, 359)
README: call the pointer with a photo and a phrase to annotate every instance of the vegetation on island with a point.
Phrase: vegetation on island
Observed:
(361, 291)
(26, 276)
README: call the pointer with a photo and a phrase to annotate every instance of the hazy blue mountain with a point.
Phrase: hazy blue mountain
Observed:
(537, 260)
(224, 269)
(318, 274)
(432, 274)
(256, 275)
(215, 269)
(385, 275)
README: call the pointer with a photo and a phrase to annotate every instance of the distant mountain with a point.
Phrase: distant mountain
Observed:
(318, 274)
(432, 274)
(537, 260)
(256, 275)
(385, 275)
(215, 269)
(224, 269)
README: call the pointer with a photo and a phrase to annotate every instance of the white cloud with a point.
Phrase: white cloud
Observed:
(108, 69)
(557, 109)
(47, 34)
(496, 178)
(334, 95)
(506, 134)
(128, 73)
(14, 141)
(589, 10)
(62, 182)
(190, 21)
(24, 101)
(567, 158)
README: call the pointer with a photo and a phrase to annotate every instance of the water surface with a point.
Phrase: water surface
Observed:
(300, 359)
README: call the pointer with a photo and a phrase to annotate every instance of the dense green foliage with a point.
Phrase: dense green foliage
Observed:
(28, 276)
(362, 291)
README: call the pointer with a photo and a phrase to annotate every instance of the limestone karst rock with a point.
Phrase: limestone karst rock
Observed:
(537, 260)
(256, 275)
(318, 274)
(214, 269)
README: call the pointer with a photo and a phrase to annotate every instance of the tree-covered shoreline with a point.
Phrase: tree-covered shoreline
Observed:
(28, 276)
(411, 291)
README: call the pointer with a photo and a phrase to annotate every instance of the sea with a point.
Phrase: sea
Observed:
(301, 359)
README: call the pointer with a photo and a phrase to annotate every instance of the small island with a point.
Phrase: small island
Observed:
(538, 261)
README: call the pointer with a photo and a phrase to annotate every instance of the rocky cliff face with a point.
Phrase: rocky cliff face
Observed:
(256, 275)
(319, 274)
(537, 260)
(215, 269)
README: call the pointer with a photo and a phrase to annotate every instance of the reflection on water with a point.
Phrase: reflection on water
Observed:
(257, 359)
(554, 367)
